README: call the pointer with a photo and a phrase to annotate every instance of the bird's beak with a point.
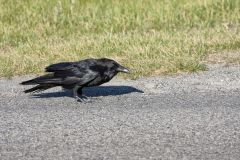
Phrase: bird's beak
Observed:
(122, 69)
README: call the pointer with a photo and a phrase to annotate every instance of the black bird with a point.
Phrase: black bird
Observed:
(76, 75)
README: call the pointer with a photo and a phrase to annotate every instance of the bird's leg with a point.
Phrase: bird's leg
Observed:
(77, 93)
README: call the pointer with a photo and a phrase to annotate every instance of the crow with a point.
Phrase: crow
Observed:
(76, 75)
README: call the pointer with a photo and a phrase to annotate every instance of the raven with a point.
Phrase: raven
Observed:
(76, 75)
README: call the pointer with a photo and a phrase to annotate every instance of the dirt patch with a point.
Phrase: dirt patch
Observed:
(224, 57)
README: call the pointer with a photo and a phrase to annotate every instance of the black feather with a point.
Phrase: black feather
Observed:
(76, 75)
(39, 87)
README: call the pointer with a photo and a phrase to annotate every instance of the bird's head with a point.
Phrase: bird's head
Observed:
(114, 66)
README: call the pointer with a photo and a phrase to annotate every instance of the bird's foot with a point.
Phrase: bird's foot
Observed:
(81, 98)
(84, 99)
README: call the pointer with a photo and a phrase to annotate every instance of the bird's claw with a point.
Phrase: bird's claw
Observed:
(82, 98)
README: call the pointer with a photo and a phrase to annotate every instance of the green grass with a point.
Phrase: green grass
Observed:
(149, 36)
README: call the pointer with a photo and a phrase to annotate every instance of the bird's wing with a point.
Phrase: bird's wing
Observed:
(59, 66)
(63, 66)
(68, 73)
(79, 77)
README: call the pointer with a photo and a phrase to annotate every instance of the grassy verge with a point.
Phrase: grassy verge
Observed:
(149, 36)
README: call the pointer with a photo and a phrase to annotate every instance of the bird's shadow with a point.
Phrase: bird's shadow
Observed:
(92, 92)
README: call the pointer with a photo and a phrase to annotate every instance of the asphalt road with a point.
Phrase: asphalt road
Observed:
(188, 116)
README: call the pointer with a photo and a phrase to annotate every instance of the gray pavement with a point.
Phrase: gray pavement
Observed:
(187, 116)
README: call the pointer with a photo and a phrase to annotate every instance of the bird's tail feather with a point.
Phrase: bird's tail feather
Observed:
(29, 82)
(39, 80)
(40, 87)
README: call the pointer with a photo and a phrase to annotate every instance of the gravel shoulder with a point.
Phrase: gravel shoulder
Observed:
(187, 116)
